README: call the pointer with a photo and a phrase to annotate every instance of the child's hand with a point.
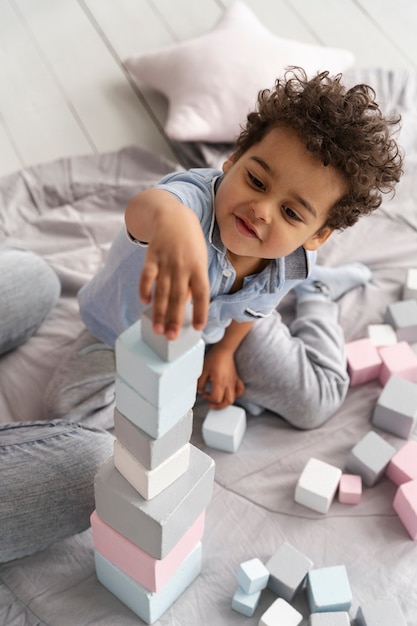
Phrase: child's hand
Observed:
(175, 269)
(219, 383)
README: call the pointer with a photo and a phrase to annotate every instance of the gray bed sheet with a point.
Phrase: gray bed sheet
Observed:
(68, 211)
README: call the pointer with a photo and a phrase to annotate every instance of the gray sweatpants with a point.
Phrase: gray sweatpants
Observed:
(297, 372)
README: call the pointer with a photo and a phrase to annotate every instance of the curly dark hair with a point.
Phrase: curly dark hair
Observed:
(344, 127)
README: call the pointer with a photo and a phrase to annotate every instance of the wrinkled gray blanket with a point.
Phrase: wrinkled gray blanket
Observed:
(68, 211)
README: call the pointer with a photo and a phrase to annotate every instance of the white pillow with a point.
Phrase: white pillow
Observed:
(212, 82)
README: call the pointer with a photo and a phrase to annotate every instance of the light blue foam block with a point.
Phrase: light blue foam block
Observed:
(148, 605)
(156, 380)
(328, 589)
(245, 603)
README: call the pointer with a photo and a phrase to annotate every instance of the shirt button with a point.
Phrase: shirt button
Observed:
(227, 273)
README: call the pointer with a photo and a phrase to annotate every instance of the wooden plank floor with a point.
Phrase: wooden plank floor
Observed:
(64, 91)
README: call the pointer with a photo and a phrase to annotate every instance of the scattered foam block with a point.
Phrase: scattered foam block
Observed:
(144, 569)
(403, 465)
(252, 576)
(148, 605)
(328, 589)
(398, 360)
(363, 361)
(405, 505)
(167, 349)
(245, 603)
(155, 380)
(385, 612)
(402, 316)
(149, 483)
(410, 287)
(280, 612)
(333, 618)
(370, 458)
(156, 525)
(148, 451)
(155, 421)
(350, 489)
(396, 408)
(224, 429)
(317, 485)
(288, 568)
(382, 335)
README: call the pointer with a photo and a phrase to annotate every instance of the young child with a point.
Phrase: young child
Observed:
(312, 158)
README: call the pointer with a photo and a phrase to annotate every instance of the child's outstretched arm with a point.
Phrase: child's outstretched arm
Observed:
(220, 383)
(176, 259)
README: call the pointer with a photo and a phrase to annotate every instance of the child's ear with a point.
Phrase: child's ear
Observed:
(317, 240)
(228, 164)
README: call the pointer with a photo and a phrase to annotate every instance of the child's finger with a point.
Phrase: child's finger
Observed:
(200, 291)
(146, 282)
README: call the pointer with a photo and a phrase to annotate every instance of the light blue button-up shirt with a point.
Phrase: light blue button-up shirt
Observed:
(109, 303)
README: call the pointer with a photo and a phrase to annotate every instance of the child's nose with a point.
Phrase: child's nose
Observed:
(261, 211)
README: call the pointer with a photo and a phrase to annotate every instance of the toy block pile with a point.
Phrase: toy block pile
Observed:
(289, 572)
(151, 496)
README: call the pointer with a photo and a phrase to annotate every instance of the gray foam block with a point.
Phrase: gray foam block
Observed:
(370, 457)
(155, 525)
(396, 407)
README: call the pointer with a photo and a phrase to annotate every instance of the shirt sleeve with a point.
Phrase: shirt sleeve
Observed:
(192, 188)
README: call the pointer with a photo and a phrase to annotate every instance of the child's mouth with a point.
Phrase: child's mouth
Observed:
(244, 228)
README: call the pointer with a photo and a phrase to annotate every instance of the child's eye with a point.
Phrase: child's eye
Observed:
(255, 181)
(290, 213)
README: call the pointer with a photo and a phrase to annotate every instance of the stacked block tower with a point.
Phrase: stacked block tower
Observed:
(151, 495)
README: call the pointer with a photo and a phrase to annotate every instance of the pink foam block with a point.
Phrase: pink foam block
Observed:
(350, 489)
(405, 505)
(363, 361)
(403, 465)
(142, 567)
(399, 360)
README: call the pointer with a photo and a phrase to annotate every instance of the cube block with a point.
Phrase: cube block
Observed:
(396, 408)
(148, 451)
(144, 569)
(338, 618)
(155, 525)
(245, 603)
(350, 489)
(224, 429)
(150, 483)
(317, 485)
(382, 335)
(280, 612)
(370, 457)
(403, 465)
(398, 360)
(155, 421)
(402, 316)
(384, 612)
(328, 589)
(363, 361)
(252, 576)
(167, 349)
(288, 568)
(148, 605)
(156, 380)
(405, 505)
(410, 287)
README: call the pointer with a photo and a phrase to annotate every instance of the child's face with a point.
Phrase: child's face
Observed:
(275, 198)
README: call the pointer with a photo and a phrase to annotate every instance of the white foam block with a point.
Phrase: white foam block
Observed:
(167, 349)
(224, 429)
(382, 335)
(384, 612)
(317, 485)
(149, 483)
(410, 287)
(153, 378)
(282, 613)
